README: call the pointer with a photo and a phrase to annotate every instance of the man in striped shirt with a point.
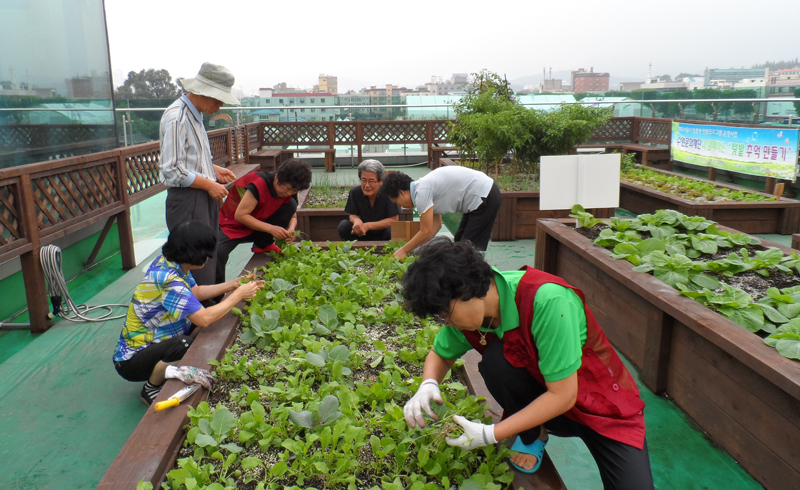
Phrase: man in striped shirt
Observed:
(195, 184)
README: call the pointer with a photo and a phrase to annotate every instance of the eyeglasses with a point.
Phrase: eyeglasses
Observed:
(445, 318)
(369, 182)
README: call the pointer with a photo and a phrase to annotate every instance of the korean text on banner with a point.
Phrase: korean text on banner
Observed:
(769, 152)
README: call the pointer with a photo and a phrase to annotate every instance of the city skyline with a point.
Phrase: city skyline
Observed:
(437, 40)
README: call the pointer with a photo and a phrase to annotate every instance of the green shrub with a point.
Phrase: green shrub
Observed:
(490, 124)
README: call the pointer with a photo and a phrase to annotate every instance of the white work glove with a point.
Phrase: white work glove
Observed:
(190, 375)
(475, 434)
(428, 391)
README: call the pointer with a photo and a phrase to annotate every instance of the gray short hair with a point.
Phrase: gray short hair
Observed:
(373, 166)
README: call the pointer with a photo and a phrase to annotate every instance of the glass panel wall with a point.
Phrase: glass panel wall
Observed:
(55, 82)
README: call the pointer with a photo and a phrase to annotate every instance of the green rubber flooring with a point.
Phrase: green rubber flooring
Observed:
(67, 413)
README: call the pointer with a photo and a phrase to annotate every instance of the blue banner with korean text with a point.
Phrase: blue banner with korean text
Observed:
(769, 152)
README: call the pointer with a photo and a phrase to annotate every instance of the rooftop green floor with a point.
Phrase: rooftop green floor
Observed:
(67, 413)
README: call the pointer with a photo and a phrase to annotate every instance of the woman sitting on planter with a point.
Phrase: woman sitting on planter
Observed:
(371, 212)
(545, 360)
(165, 309)
(446, 190)
(260, 211)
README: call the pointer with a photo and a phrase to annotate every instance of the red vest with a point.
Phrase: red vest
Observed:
(608, 399)
(266, 207)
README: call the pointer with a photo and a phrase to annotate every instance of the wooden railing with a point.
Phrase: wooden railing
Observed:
(355, 133)
(42, 202)
(647, 130)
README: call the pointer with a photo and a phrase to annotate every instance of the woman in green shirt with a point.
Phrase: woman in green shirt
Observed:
(545, 360)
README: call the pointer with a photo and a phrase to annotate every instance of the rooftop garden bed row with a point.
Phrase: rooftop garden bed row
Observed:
(757, 288)
(684, 187)
(706, 313)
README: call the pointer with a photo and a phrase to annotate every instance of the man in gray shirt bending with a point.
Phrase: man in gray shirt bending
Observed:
(446, 190)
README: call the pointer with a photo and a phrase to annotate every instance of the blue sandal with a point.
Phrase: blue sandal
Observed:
(536, 448)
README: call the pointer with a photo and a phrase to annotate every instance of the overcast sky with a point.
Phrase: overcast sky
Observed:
(405, 43)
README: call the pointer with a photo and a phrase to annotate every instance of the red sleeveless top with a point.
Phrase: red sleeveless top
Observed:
(266, 207)
(608, 399)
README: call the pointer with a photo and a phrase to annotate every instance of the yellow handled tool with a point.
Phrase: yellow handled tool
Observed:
(177, 398)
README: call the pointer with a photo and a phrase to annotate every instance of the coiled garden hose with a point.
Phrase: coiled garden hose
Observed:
(63, 306)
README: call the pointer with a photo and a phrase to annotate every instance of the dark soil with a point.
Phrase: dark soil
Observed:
(756, 285)
(593, 232)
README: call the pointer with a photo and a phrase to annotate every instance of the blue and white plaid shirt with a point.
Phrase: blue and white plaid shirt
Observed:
(185, 150)
(159, 310)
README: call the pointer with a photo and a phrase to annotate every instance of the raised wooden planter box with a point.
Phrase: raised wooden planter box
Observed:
(739, 390)
(151, 451)
(781, 217)
(322, 224)
(519, 211)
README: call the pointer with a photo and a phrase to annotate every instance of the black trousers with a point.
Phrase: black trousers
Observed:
(346, 233)
(140, 366)
(188, 204)
(260, 239)
(622, 467)
(476, 226)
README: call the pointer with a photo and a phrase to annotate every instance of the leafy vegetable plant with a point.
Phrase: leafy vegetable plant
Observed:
(671, 246)
(686, 188)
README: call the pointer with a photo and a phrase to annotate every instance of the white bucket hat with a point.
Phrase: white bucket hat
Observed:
(213, 81)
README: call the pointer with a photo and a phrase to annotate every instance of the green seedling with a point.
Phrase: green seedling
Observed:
(687, 188)
(583, 218)
(327, 413)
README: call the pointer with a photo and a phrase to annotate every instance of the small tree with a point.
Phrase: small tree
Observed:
(744, 109)
(705, 108)
(488, 121)
(557, 132)
(490, 124)
(148, 84)
(147, 88)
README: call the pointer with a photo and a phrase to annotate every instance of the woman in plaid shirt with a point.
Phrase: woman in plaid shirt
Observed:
(166, 308)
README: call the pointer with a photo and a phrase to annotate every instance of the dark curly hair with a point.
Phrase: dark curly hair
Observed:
(296, 173)
(444, 271)
(191, 242)
(394, 183)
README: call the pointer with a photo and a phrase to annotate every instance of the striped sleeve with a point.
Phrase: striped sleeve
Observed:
(173, 160)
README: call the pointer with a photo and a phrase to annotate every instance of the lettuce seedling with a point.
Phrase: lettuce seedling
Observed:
(326, 414)
(584, 219)
(786, 339)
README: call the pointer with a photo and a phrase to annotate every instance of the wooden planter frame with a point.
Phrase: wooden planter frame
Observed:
(519, 212)
(152, 449)
(743, 393)
(780, 217)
